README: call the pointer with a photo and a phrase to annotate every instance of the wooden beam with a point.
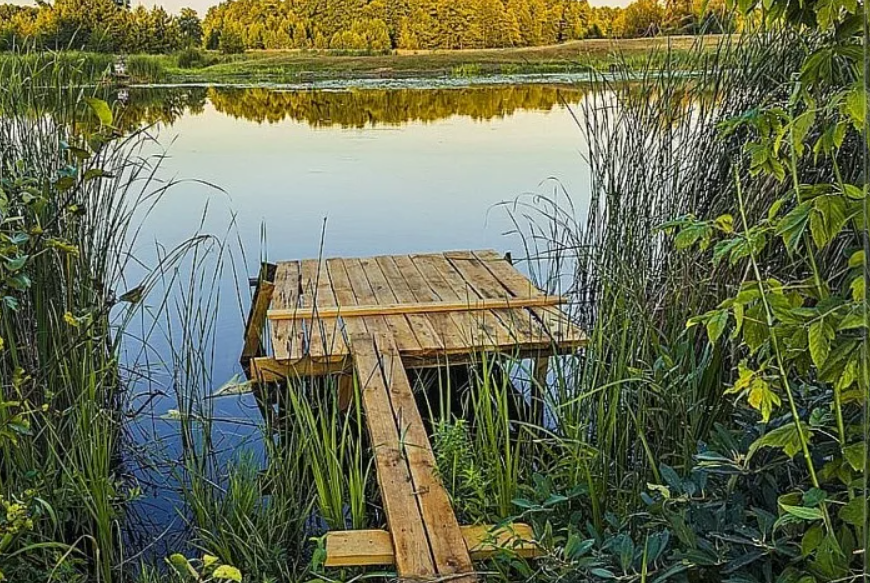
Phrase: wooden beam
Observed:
(346, 548)
(409, 541)
(264, 369)
(445, 539)
(420, 308)
(257, 315)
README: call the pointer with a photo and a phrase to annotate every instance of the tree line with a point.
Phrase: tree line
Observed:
(354, 25)
(98, 25)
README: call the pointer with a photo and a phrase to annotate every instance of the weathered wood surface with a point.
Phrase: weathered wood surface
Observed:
(370, 318)
(346, 548)
(410, 543)
(435, 304)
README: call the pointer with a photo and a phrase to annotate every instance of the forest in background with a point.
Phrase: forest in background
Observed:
(351, 25)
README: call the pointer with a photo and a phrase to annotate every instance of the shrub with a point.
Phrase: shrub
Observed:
(191, 58)
(231, 43)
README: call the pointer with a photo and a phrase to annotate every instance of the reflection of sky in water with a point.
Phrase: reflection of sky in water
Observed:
(398, 189)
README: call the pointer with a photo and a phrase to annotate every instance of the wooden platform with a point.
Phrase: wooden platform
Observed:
(373, 318)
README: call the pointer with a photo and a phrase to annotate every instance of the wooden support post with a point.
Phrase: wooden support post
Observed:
(345, 390)
(253, 332)
(257, 316)
(539, 388)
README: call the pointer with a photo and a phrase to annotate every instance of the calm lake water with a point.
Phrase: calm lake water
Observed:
(381, 170)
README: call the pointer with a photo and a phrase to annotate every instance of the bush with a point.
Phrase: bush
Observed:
(231, 43)
(191, 58)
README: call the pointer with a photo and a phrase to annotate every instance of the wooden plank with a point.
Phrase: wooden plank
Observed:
(468, 304)
(266, 369)
(383, 288)
(325, 336)
(288, 338)
(396, 325)
(257, 316)
(448, 326)
(412, 552)
(523, 326)
(444, 279)
(485, 541)
(346, 548)
(309, 275)
(556, 323)
(445, 539)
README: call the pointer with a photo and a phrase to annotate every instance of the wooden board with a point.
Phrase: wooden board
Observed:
(287, 337)
(347, 548)
(397, 325)
(445, 539)
(410, 544)
(257, 315)
(428, 337)
(322, 332)
(403, 309)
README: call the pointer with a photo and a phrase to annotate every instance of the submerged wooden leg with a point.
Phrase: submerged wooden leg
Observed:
(345, 391)
(539, 388)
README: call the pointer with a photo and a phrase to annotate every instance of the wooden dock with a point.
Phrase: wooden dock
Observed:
(373, 318)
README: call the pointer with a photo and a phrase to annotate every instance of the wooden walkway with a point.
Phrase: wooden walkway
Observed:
(373, 318)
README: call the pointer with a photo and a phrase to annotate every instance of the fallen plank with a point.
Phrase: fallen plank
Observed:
(409, 542)
(445, 538)
(347, 548)
(349, 311)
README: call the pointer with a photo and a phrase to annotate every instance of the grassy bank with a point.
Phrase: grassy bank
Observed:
(295, 66)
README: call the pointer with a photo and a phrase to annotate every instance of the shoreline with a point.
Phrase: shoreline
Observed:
(301, 67)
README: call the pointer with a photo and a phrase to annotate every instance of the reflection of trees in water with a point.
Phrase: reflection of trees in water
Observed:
(370, 107)
(150, 106)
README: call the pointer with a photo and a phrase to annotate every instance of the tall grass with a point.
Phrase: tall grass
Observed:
(646, 390)
(74, 193)
(61, 347)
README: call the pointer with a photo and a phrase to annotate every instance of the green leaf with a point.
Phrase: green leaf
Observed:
(101, 109)
(577, 547)
(792, 226)
(803, 513)
(762, 398)
(820, 336)
(133, 296)
(182, 567)
(858, 289)
(725, 223)
(95, 173)
(827, 218)
(786, 438)
(227, 573)
(811, 540)
(16, 263)
(716, 324)
(853, 512)
(854, 454)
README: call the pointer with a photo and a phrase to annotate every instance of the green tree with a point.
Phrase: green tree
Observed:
(189, 27)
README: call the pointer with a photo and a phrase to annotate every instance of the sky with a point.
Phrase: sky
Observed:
(201, 6)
